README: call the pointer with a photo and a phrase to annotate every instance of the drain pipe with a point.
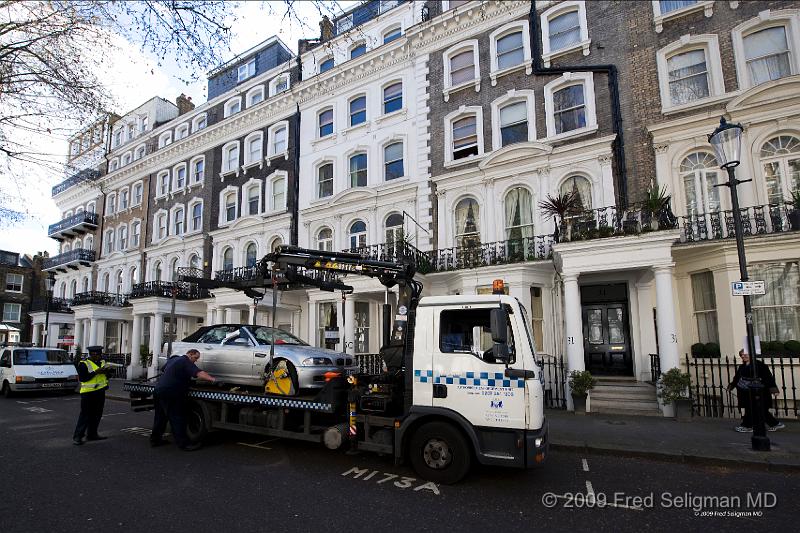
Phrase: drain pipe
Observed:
(613, 89)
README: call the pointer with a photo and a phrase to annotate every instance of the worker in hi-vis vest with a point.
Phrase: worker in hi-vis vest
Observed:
(92, 373)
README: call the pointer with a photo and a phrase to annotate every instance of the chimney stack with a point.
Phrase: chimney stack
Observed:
(184, 104)
(325, 29)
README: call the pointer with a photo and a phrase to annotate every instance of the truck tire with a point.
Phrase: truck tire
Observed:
(7, 392)
(196, 426)
(440, 453)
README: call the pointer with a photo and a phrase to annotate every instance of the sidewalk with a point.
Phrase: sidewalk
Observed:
(710, 441)
(701, 440)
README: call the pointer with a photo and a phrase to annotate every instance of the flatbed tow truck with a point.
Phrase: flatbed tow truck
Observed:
(459, 384)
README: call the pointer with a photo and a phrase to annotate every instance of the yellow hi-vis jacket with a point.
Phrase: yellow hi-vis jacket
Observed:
(98, 381)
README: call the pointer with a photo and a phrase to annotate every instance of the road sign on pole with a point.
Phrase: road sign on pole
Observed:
(748, 288)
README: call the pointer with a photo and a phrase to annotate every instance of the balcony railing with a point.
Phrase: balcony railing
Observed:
(70, 259)
(79, 177)
(100, 298)
(165, 289)
(395, 251)
(239, 274)
(612, 221)
(537, 248)
(56, 305)
(756, 220)
(76, 224)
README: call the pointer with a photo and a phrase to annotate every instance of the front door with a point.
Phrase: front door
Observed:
(606, 343)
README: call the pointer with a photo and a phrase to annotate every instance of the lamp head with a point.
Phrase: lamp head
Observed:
(727, 143)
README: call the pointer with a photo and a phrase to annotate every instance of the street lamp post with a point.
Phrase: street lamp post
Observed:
(727, 143)
(49, 282)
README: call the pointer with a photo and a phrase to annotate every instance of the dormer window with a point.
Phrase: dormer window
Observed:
(182, 131)
(326, 65)
(392, 34)
(279, 84)
(247, 70)
(233, 106)
(255, 95)
(165, 139)
(358, 50)
(199, 122)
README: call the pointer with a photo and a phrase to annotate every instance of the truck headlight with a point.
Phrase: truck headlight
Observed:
(317, 361)
(538, 442)
(25, 379)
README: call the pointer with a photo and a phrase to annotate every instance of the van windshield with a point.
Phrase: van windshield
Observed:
(264, 336)
(41, 357)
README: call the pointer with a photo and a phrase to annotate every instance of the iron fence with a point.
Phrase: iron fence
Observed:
(55, 305)
(539, 247)
(81, 255)
(655, 368)
(756, 220)
(710, 378)
(612, 221)
(83, 217)
(100, 298)
(165, 289)
(369, 363)
(554, 379)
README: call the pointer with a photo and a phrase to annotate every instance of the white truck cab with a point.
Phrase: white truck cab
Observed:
(24, 369)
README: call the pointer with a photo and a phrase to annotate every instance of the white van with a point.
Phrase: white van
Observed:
(36, 369)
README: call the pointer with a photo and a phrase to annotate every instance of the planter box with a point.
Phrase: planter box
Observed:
(683, 410)
(580, 404)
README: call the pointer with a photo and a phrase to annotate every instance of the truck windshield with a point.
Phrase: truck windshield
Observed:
(41, 357)
(264, 336)
(528, 330)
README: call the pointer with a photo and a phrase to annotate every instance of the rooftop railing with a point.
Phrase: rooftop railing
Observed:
(70, 258)
(84, 218)
(78, 177)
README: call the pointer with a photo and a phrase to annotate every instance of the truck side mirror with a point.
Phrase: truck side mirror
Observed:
(499, 325)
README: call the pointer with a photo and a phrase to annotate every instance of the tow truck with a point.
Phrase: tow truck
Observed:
(458, 380)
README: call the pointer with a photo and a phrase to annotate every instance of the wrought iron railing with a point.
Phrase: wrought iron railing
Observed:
(56, 305)
(655, 367)
(165, 289)
(395, 251)
(78, 177)
(100, 298)
(612, 221)
(84, 217)
(80, 254)
(537, 248)
(756, 220)
(554, 379)
(239, 274)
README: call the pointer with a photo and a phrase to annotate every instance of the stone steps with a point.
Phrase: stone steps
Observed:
(624, 396)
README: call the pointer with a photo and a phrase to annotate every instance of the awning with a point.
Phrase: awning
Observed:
(7, 327)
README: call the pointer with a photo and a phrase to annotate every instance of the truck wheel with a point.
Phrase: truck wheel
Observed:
(195, 424)
(7, 392)
(440, 453)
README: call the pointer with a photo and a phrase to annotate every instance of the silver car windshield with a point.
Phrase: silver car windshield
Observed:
(264, 336)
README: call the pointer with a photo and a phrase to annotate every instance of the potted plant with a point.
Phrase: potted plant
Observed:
(580, 383)
(794, 214)
(698, 349)
(674, 389)
(565, 203)
(712, 349)
(655, 202)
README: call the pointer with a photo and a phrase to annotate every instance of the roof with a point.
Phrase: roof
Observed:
(238, 57)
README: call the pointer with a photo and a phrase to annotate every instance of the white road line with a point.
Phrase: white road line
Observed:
(585, 465)
(589, 489)
(116, 414)
(254, 446)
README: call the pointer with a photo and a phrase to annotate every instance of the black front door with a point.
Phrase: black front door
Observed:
(606, 344)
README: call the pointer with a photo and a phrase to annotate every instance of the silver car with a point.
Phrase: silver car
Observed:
(239, 354)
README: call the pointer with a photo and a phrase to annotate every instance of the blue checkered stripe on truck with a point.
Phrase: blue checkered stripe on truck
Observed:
(484, 379)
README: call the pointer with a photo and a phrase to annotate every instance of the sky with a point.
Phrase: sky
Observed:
(134, 77)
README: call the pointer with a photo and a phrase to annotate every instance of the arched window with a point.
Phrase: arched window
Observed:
(519, 214)
(63, 289)
(106, 282)
(276, 242)
(88, 243)
(251, 255)
(194, 262)
(393, 97)
(358, 170)
(73, 288)
(134, 278)
(119, 282)
(780, 159)
(358, 50)
(358, 110)
(85, 284)
(325, 180)
(393, 161)
(173, 270)
(325, 240)
(468, 232)
(227, 259)
(580, 186)
(394, 229)
(699, 174)
(358, 234)
(157, 271)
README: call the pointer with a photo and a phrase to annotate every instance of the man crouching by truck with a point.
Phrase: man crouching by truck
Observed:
(170, 397)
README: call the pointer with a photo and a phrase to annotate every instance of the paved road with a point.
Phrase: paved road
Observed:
(244, 483)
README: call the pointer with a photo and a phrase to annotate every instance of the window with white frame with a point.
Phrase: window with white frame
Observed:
(109, 241)
(519, 215)
(181, 131)
(664, 10)
(144, 122)
(326, 65)
(118, 137)
(122, 237)
(699, 173)
(139, 152)
(199, 122)
(196, 223)
(513, 123)
(126, 159)
(325, 180)
(246, 71)
(136, 234)
(180, 177)
(157, 271)
(766, 47)
(254, 144)
(123, 199)
(452, 4)
(279, 84)
(668, 6)
(467, 223)
(776, 314)
(198, 169)
(325, 240)
(253, 195)
(161, 226)
(325, 122)
(509, 49)
(113, 165)
(393, 230)
(14, 282)
(358, 110)
(111, 204)
(85, 284)
(229, 206)
(88, 243)
(278, 139)
(276, 243)
(138, 193)
(278, 201)
(564, 29)
(255, 95)
(357, 235)
(393, 161)
(163, 183)
(358, 170)
(232, 106)
(581, 188)
(12, 312)
(392, 98)
(704, 301)
(780, 160)
(165, 139)
(194, 261)
(227, 258)
(131, 132)
(461, 64)
(690, 70)
(76, 244)
(251, 255)
(178, 221)
(465, 137)
(173, 270)
(230, 157)
(392, 33)
(569, 105)
(359, 49)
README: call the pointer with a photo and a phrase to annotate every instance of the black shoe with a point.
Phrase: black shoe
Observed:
(191, 447)
(159, 442)
(77, 442)
(97, 437)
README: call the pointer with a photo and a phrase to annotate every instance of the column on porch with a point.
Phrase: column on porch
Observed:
(36, 338)
(211, 315)
(573, 327)
(93, 326)
(342, 323)
(156, 338)
(350, 325)
(665, 319)
(136, 342)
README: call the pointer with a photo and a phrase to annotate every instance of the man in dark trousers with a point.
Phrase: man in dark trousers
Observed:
(171, 398)
(94, 382)
(741, 383)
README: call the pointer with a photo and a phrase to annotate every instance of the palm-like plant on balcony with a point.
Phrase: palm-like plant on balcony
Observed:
(655, 204)
(561, 206)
